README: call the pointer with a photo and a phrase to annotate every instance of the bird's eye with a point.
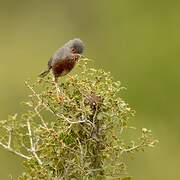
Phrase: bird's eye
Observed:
(73, 50)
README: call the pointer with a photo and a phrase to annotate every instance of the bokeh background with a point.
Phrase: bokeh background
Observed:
(137, 40)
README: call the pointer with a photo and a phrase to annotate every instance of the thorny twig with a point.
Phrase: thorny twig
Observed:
(10, 138)
(39, 115)
(38, 97)
(15, 152)
(33, 150)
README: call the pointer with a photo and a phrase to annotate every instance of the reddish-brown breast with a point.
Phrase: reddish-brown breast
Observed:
(62, 67)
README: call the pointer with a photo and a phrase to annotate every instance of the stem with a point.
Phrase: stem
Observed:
(31, 143)
(96, 158)
(38, 97)
(15, 152)
(39, 115)
(9, 140)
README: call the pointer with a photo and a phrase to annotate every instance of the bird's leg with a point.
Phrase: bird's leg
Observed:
(55, 80)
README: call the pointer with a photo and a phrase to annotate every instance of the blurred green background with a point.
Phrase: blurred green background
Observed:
(137, 40)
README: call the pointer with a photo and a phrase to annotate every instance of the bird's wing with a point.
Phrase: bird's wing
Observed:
(60, 55)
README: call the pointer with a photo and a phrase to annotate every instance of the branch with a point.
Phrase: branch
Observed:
(38, 97)
(31, 143)
(134, 148)
(10, 137)
(13, 151)
(39, 115)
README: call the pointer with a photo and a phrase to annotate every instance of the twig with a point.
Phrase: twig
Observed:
(70, 121)
(126, 150)
(41, 118)
(95, 114)
(38, 97)
(41, 101)
(15, 152)
(9, 140)
(31, 143)
(81, 153)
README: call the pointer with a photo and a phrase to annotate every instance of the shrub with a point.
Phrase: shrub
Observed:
(77, 135)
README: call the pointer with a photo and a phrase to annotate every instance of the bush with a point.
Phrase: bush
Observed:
(77, 135)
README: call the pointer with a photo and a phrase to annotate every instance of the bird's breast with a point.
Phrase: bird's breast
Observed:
(62, 67)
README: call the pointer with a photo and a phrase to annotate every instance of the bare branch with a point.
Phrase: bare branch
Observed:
(10, 137)
(39, 115)
(38, 97)
(31, 143)
(15, 152)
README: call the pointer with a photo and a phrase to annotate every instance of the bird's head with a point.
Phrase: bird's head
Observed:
(76, 46)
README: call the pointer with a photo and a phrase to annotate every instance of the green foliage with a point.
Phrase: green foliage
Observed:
(77, 133)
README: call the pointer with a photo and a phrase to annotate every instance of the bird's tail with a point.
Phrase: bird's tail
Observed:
(44, 73)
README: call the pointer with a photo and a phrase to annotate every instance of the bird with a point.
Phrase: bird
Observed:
(64, 59)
